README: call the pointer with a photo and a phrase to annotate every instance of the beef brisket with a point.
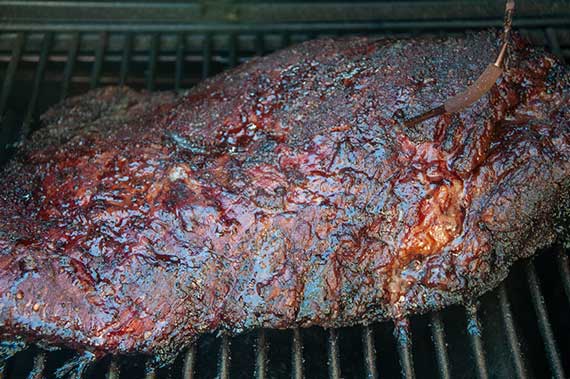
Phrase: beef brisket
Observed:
(286, 192)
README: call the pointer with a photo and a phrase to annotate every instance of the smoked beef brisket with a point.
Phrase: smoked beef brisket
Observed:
(286, 192)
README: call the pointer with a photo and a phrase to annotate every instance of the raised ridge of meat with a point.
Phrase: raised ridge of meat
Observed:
(286, 192)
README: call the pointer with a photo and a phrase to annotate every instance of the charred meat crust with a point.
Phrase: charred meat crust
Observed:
(283, 193)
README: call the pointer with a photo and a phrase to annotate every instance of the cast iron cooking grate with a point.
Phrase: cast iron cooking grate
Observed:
(503, 334)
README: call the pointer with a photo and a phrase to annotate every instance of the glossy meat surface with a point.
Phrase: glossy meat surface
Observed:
(285, 192)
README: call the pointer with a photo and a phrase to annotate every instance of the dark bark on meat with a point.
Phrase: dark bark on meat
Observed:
(283, 193)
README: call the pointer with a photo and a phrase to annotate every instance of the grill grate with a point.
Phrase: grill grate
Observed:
(544, 322)
(79, 60)
(512, 337)
(369, 352)
(297, 354)
(404, 343)
(474, 328)
(440, 346)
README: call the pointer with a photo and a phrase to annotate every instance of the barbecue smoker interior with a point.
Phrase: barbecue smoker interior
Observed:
(523, 325)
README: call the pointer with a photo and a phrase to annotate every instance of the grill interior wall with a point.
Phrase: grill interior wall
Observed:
(522, 329)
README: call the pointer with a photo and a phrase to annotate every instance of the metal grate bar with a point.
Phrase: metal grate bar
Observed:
(261, 355)
(474, 330)
(333, 354)
(39, 366)
(232, 52)
(369, 352)
(38, 78)
(69, 65)
(126, 58)
(99, 56)
(564, 266)
(179, 61)
(224, 364)
(297, 355)
(17, 50)
(404, 343)
(438, 333)
(552, 40)
(190, 362)
(298, 27)
(543, 322)
(206, 55)
(512, 336)
(113, 371)
(154, 47)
